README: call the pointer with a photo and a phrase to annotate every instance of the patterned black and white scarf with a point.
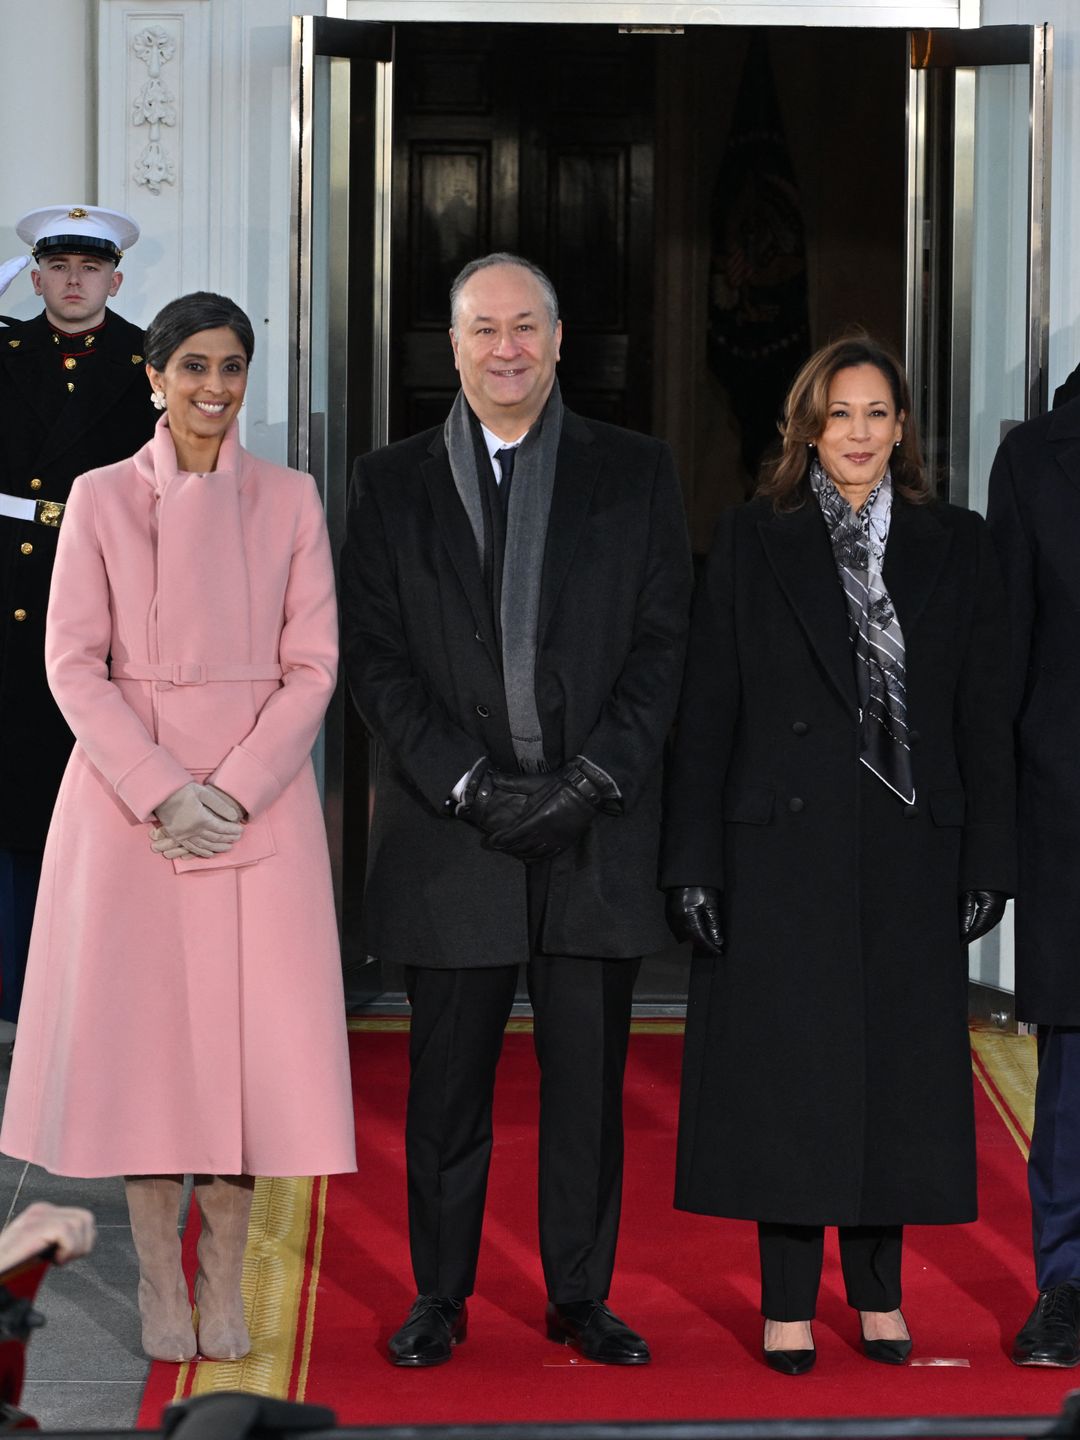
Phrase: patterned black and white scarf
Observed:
(858, 544)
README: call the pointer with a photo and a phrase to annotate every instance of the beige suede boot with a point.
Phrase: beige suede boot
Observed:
(164, 1303)
(225, 1206)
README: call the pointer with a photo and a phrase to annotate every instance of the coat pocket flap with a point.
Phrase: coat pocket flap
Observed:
(256, 843)
(947, 807)
(750, 805)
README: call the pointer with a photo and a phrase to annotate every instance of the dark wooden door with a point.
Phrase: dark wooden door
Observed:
(537, 140)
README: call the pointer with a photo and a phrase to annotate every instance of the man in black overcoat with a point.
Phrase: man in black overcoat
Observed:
(515, 588)
(1034, 514)
(73, 396)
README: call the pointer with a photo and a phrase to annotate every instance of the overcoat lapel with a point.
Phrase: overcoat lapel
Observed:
(797, 547)
(457, 536)
(576, 468)
(914, 555)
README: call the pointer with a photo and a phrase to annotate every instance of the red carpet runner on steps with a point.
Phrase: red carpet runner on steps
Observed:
(687, 1282)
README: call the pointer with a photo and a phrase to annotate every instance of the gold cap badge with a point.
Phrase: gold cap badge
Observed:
(78, 213)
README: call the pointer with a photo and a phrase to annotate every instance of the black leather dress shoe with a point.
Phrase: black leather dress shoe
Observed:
(591, 1327)
(432, 1327)
(1051, 1334)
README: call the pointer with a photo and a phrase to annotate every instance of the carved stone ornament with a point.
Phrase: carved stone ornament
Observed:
(154, 105)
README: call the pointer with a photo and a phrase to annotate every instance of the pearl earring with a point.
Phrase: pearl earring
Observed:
(157, 399)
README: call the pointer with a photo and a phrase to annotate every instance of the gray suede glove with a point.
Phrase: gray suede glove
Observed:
(194, 817)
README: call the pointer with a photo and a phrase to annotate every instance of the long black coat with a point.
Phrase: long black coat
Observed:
(827, 1074)
(1034, 515)
(50, 436)
(426, 676)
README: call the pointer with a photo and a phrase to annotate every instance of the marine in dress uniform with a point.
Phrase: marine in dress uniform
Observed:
(73, 396)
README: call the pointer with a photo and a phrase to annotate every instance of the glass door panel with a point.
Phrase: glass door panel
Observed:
(978, 191)
(341, 90)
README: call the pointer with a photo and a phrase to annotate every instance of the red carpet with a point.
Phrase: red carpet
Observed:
(687, 1282)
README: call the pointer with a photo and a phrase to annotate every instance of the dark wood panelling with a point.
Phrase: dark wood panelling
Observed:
(525, 138)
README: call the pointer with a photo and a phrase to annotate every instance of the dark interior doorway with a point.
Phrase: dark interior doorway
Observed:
(607, 158)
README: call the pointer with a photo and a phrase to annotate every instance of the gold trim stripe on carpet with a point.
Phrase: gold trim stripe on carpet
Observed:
(1006, 1066)
(280, 1307)
(272, 1285)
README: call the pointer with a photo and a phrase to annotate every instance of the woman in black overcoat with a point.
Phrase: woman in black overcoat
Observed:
(839, 824)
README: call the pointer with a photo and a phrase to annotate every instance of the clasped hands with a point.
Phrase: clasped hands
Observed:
(198, 820)
(533, 817)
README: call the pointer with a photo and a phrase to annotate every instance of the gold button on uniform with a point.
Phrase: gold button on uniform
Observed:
(26, 548)
(70, 363)
(20, 614)
(35, 484)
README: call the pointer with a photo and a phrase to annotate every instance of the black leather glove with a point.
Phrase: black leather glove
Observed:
(493, 799)
(558, 815)
(695, 913)
(980, 911)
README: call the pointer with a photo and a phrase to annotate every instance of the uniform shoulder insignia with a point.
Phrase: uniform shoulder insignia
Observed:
(14, 344)
(136, 359)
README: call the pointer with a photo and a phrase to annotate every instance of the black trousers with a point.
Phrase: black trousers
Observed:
(791, 1267)
(581, 1011)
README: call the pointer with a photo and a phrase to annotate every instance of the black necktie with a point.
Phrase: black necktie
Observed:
(506, 463)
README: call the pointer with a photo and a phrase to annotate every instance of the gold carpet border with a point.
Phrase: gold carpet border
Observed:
(272, 1285)
(1011, 1064)
(313, 1288)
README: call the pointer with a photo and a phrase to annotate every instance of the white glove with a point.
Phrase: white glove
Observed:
(189, 819)
(10, 268)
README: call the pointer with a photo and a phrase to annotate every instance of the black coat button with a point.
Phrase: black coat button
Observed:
(911, 809)
(478, 636)
(800, 727)
(483, 712)
(795, 804)
(914, 737)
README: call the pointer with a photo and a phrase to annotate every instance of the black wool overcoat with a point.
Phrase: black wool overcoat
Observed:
(1034, 515)
(107, 417)
(827, 1073)
(426, 676)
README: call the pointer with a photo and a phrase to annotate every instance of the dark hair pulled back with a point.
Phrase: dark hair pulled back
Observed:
(182, 318)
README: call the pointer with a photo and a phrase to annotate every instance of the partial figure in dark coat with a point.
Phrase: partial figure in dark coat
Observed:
(840, 823)
(1034, 515)
(73, 396)
(515, 595)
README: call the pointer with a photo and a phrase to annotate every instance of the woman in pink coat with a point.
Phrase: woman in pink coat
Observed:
(183, 1010)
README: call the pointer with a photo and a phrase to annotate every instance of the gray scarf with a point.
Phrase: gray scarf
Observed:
(523, 559)
(858, 544)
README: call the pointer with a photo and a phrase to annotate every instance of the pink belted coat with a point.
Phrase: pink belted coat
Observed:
(187, 1016)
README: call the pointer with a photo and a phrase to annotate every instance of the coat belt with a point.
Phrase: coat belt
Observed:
(44, 512)
(188, 673)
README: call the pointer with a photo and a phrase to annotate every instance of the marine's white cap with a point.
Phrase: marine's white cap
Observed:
(78, 230)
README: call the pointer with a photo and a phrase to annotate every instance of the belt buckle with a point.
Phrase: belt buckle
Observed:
(49, 512)
(189, 674)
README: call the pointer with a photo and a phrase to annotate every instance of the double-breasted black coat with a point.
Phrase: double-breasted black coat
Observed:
(1034, 515)
(49, 436)
(426, 676)
(827, 1073)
